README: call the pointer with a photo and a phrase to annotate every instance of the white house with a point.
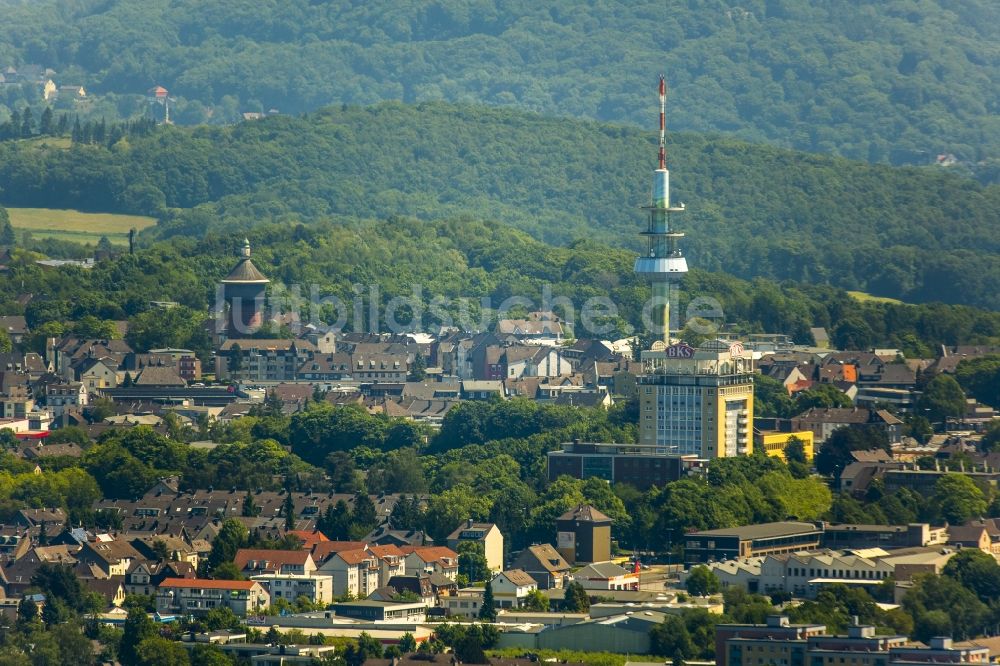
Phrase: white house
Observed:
(511, 587)
(318, 588)
(430, 559)
(354, 572)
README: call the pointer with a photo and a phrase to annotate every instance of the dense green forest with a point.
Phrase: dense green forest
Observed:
(896, 80)
(455, 259)
(916, 234)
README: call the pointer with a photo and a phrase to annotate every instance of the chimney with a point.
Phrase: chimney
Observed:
(469, 523)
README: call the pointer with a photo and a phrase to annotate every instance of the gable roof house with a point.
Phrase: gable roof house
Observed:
(252, 562)
(113, 557)
(354, 572)
(511, 587)
(543, 563)
(431, 559)
(486, 534)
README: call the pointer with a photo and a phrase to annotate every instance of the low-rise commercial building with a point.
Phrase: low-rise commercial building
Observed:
(641, 465)
(382, 611)
(750, 541)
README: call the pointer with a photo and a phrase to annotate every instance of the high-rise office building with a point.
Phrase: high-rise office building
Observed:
(697, 401)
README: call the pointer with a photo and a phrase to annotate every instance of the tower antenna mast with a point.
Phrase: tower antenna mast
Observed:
(663, 123)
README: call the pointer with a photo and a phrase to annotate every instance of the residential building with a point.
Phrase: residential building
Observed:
(583, 534)
(97, 373)
(697, 401)
(261, 360)
(750, 541)
(354, 572)
(112, 556)
(482, 389)
(543, 563)
(16, 327)
(430, 559)
(198, 596)
(641, 465)
(823, 421)
(64, 396)
(391, 562)
(485, 534)
(465, 602)
(145, 577)
(252, 562)
(606, 576)
(511, 588)
(317, 588)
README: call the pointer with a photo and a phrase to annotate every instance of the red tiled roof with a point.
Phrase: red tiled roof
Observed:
(354, 556)
(323, 550)
(430, 553)
(309, 538)
(386, 551)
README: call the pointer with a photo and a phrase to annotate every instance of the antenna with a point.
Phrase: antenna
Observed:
(663, 123)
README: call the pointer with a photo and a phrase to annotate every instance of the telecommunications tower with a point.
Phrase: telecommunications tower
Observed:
(663, 264)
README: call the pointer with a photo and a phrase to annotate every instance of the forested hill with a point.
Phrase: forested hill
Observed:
(899, 80)
(454, 264)
(915, 234)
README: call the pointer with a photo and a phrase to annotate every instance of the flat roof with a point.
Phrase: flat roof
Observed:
(763, 531)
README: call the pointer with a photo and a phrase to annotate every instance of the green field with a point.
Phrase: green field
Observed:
(862, 296)
(72, 225)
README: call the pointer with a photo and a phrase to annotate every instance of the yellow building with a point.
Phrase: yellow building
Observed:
(774, 442)
(697, 401)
